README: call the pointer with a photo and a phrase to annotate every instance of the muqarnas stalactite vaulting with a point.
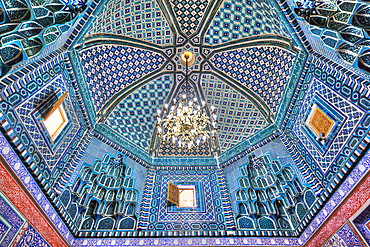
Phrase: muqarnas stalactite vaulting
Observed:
(271, 197)
(102, 198)
(27, 27)
(349, 19)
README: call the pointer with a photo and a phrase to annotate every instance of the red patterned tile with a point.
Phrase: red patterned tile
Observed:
(349, 207)
(20, 200)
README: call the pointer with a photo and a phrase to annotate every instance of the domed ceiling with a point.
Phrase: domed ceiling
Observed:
(247, 62)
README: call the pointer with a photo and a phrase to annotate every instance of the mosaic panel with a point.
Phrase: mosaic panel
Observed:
(238, 19)
(110, 68)
(139, 19)
(134, 116)
(27, 86)
(21, 203)
(344, 237)
(362, 223)
(27, 112)
(208, 215)
(353, 114)
(11, 221)
(238, 118)
(31, 238)
(189, 14)
(264, 70)
(349, 88)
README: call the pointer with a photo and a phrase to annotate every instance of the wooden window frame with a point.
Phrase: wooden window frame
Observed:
(61, 126)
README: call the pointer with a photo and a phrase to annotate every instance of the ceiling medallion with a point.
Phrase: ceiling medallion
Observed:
(185, 122)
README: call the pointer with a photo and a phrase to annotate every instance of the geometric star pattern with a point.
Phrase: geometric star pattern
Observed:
(110, 68)
(133, 117)
(264, 70)
(238, 118)
(139, 19)
(189, 14)
(238, 19)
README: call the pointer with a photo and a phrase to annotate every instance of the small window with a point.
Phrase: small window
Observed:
(187, 196)
(56, 122)
(319, 122)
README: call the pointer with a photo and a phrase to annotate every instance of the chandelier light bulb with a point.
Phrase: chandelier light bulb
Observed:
(213, 108)
(184, 96)
(159, 111)
(166, 106)
(203, 103)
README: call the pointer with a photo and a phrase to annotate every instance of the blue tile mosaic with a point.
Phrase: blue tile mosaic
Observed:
(351, 111)
(189, 14)
(51, 151)
(238, 19)
(264, 70)
(31, 238)
(134, 116)
(11, 220)
(276, 151)
(208, 215)
(238, 117)
(139, 19)
(111, 68)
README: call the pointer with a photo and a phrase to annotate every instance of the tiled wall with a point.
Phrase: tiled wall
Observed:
(21, 121)
(337, 91)
(105, 191)
(212, 203)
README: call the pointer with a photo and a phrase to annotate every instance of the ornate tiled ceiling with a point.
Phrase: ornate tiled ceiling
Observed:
(240, 19)
(245, 59)
(238, 116)
(135, 113)
(139, 19)
(261, 69)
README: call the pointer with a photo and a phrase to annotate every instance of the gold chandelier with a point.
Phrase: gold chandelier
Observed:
(185, 123)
